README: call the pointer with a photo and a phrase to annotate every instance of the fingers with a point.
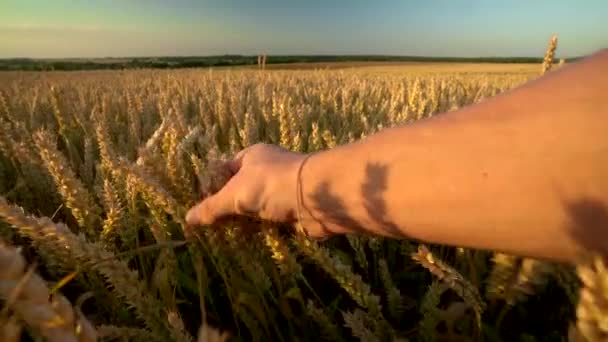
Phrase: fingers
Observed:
(241, 153)
(199, 214)
(234, 165)
(222, 203)
(209, 211)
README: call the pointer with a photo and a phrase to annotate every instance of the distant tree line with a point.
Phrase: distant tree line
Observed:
(228, 60)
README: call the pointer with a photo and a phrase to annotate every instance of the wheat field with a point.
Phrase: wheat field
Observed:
(97, 170)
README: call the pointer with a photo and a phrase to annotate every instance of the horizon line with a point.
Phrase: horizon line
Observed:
(288, 55)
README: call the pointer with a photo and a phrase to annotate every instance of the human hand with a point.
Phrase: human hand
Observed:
(263, 185)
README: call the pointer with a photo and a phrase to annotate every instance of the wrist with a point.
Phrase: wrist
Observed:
(307, 222)
(330, 201)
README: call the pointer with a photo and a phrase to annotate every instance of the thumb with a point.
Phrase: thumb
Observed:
(214, 207)
(222, 203)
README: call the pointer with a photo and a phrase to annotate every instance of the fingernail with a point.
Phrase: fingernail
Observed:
(192, 216)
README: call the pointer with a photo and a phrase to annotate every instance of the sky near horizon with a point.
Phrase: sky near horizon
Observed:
(462, 28)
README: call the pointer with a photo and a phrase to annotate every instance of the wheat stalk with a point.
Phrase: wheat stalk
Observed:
(28, 296)
(59, 241)
(76, 196)
(452, 278)
(10, 329)
(113, 333)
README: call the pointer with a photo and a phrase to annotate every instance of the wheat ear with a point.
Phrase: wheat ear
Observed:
(28, 296)
(452, 278)
(58, 239)
(548, 61)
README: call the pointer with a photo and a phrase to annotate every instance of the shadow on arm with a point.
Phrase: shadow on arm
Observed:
(587, 226)
(334, 210)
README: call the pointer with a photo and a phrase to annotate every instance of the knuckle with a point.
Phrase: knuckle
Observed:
(258, 147)
(243, 209)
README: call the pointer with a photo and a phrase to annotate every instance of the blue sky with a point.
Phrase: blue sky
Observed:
(467, 28)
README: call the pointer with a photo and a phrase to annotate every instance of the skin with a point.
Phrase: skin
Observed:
(524, 172)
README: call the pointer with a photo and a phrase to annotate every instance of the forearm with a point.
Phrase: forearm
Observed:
(524, 172)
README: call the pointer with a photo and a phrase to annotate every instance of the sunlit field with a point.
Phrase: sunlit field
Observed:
(98, 168)
(412, 67)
